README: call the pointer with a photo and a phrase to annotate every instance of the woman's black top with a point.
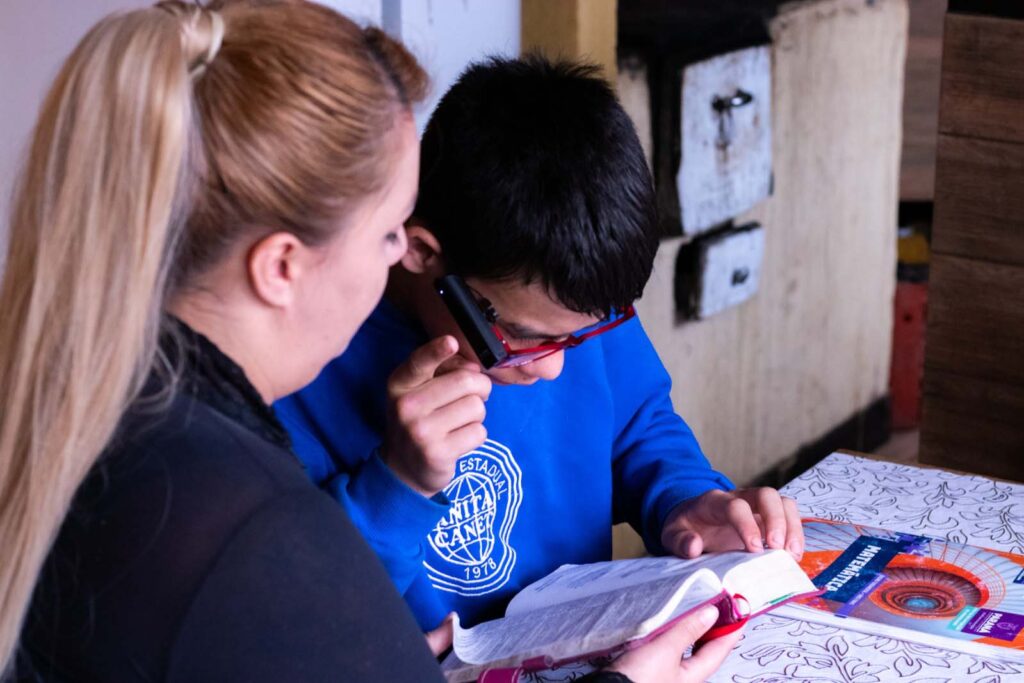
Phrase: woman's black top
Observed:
(197, 550)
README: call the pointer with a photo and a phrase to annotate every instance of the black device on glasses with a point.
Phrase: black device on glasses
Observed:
(471, 320)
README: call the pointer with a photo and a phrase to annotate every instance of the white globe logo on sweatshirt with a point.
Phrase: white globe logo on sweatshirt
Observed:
(471, 551)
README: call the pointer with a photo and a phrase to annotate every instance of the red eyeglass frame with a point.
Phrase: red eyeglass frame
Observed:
(518, 357)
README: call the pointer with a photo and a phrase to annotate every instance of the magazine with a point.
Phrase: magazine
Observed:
(914, 588)
(582, 612)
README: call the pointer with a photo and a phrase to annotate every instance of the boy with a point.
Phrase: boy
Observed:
(534, 189)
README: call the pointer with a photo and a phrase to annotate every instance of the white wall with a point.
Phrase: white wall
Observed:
(363, 11)
(36, 35)
(447, 35)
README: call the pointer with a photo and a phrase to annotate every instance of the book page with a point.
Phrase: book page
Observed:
(592, 623)
(584, 609)
(766, 579)
(574, 581)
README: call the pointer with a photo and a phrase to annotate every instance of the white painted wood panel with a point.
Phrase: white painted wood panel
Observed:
(725, 145)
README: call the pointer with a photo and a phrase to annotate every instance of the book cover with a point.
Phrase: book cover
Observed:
(915, 588)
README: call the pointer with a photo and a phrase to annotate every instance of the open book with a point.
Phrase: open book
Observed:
(581, 612)
(915, 588)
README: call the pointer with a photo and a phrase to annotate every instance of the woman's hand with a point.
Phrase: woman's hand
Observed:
(661, 660)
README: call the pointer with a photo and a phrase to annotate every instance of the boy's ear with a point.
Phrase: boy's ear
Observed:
(424, 254)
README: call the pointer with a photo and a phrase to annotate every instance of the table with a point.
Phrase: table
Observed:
(958, 507)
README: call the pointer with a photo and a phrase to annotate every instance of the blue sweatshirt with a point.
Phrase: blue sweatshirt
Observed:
(563, 461)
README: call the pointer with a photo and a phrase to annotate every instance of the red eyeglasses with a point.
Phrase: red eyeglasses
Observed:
(518, 357)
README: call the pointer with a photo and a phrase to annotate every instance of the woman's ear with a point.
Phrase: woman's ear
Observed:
(274, 265)
(424, 254)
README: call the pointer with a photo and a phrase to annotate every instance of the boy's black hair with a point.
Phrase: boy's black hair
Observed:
(532, 171)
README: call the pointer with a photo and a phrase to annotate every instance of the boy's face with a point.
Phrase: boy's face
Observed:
(527, 316)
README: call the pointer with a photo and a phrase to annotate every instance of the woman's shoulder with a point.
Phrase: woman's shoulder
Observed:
(194, 541)
(190, 438)
(146, 527)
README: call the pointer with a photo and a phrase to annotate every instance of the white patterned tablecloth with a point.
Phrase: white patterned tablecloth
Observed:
(960, 508)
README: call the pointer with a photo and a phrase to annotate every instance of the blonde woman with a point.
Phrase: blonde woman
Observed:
(210, 205)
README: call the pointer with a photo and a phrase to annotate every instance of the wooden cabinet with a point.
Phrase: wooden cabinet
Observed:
(973, 406)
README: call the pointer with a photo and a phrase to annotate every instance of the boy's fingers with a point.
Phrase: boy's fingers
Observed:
(684, 543)
(459, 413)
(709, 657)
(455, 363)
(741, 518)
(440, 639)
(449, 388)
(466, 439)
(794, 528)
(768, 504)
(422, 364)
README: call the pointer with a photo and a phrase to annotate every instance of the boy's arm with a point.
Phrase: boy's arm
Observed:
(657, 461)
(394, 519)
(663, 484)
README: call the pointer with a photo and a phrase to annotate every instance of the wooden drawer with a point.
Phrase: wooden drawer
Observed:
(976, 319)
(719, 271)
(979, 209)
(983, 77)
(725, 163)
(973, 424)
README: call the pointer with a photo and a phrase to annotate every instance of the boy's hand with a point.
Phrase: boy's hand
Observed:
(435, 415)
(734, 520)
(440, 639)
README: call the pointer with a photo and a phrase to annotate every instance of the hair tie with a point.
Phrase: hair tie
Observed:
(216, 38)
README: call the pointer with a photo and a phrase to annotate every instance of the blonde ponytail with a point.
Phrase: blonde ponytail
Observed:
(93, 232)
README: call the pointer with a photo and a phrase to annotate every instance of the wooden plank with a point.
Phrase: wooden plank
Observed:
(921, 100)
(996, 400)
(982, 78)
(973, 424)
(973, 445)
(979, 212)
(598, 32)
(1001, 8)
(975, 319)
(572, 29)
